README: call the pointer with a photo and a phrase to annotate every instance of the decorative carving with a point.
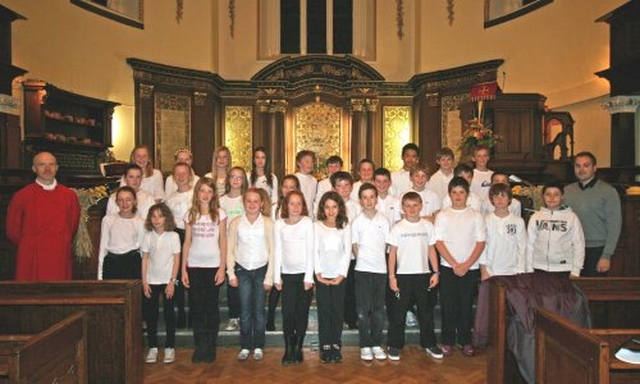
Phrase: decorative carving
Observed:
(179, 10)
(199, 98)
(396, 132)
(433, 99)
(146, 90)
(317, 128)
(400, 18)
(238, 122)
(451, 131)
(272, 105)
(363, 105)
(622, 104)
(232, 17)
(450, 12)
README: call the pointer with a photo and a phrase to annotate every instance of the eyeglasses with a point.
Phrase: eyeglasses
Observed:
(236, 177)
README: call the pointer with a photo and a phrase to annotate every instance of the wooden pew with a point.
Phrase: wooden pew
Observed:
(114, 320)
(56, 355)
(614, 302)
(566, 353)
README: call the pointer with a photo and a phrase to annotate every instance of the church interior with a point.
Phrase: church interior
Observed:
(88, 80)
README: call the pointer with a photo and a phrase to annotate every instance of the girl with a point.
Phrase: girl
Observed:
(332, 254)
(250, 268)
(152, 178)
(235, 186)
(203, 266)
(133, 178)
(220, 166)
(160, 264)
(182, 155)
(121, 236)
(261, 176)
(289, 183)
(179, 202)
(293, 272)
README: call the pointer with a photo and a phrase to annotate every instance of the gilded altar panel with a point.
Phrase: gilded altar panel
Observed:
(238, 121)
(396, 133)
(172, 127)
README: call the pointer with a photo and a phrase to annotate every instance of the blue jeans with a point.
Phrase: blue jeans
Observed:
(252, 310)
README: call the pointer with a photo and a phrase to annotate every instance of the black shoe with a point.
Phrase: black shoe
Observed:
(197, 356)
(287, 358)
(209, 355)
(298, 354)
(326, 354)
(336, 355)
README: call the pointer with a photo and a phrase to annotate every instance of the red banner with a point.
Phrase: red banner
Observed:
(484, 91)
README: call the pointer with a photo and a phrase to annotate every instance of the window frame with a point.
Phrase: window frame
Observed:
(523, 10)
(91, 6)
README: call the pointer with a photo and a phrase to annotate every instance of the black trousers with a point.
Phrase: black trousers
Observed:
(122, 266)
(330, 299)
(414, 289)
(456, 303)
(591, 257)
(350, 312)
(204, 306)
(295, 305)
(151, 311)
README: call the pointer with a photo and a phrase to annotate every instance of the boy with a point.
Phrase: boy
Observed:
(439, 181)
(431, 203)
(368, 234)
(411, 250)
(133, 178)
(401, 181)
(342, 183)
(515, 206)
(503, 255)
(460, 239)
(308, 184)
(481, 174)
(556, 240)
(388, 205)
(473, 200)
(334, 164)
(365, 173)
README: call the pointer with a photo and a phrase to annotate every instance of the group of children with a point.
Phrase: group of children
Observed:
(392, 243)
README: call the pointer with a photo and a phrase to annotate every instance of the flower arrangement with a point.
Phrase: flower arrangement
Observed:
(87, 198)
(476, 133)
(533, 192)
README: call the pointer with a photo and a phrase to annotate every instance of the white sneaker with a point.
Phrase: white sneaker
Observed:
(169, 355)
(365, 354)
(152, 356)
(243, 354)
(258, 354)
(378, 353)
(232, 325)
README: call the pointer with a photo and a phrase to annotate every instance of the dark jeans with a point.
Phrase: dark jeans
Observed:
(350, 312)
(370, 298)
(252, 312)
(295, 305)
(456, 303)
(122, 266)
(414, 289)
(330, 299)
(233, 301)
(204, 308)
(591, 257)
(151, 311)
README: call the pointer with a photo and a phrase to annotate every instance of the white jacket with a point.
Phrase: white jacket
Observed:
(556, 241)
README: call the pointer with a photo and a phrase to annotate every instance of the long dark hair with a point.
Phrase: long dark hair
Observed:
(341, 219)
(267, 167)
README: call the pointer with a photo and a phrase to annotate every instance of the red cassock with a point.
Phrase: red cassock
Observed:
(42, 224)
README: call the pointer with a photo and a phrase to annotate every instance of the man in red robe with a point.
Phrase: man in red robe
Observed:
(42, 219)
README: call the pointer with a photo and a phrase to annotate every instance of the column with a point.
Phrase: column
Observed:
(625, 130)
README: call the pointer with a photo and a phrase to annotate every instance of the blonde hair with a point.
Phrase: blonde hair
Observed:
(214, 205)
(147, 171)
(214, 168)
(264, 197)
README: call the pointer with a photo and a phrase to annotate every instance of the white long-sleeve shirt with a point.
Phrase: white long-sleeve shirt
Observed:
(293, 249)
(308, 187)
(119, 235)
(505, 248)
(144, 201)
(332, 250)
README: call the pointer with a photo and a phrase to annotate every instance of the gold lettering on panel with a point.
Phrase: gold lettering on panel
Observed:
(238, 121)
(396, 132)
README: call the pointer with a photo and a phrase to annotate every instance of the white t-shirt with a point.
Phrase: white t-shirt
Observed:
(144, 201)
(232, 206)
(162, 249)
(308, 187)
(413, 241)
(205, 247)
(332, 250)
(370, 235)
(473, 201)
(439, 183)
(430, 201)
(460, 230)
(170, 186)
(400, 183)
(119, 235)
(353, 210)
(261, 182)
(481, 183)
(389, 207)
(293, 249)
(324, 186)
(505, 249)
(179, 204)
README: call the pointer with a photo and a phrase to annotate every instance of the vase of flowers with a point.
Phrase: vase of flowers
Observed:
(477, 133)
